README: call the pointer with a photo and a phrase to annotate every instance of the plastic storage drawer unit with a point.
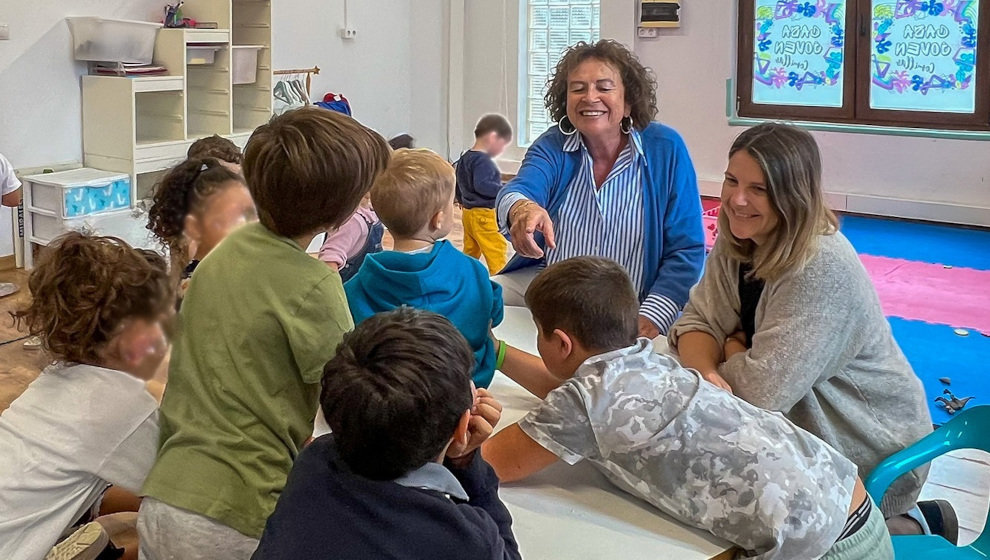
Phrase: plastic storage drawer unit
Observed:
(78, 192)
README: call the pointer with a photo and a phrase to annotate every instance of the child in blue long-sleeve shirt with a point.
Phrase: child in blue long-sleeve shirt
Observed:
(414, 198)
(478, 184)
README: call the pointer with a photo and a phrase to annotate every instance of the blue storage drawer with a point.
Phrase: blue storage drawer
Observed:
(78, 192)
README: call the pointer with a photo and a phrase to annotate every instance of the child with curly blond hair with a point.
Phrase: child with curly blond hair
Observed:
(87, 421)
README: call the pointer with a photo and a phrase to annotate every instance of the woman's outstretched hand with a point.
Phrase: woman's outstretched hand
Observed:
(526, 218)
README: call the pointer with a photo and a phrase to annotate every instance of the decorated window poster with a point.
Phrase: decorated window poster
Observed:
(924, 55)
(798, 52)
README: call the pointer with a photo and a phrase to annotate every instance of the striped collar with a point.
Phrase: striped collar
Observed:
(575, 141)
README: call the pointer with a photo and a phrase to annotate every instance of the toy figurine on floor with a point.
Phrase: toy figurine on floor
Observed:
(952, 404)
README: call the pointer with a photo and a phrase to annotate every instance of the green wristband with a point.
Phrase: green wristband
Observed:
(501, 355)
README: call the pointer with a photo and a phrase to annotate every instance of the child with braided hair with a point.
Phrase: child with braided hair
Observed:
(196, 205)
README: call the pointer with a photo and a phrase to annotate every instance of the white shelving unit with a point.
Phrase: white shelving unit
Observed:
(144, 125)
(141, 126)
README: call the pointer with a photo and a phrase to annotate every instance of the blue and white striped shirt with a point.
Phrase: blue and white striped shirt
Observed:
(607, 221)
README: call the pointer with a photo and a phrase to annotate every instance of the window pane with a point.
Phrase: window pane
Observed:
(797, 53)
(537, 85)
(538, 63)
(559, 40)
(537, 111)
(538, 40)
(551, 27)
(581, 16)
(923, 55)
(539, 17)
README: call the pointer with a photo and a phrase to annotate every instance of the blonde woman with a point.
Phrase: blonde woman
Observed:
(786, 318)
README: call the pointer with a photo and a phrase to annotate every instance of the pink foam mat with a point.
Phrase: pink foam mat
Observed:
(956, 297)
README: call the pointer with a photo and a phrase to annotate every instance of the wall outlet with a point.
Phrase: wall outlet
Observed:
(648, 32)
(4, 32)
(348, 33)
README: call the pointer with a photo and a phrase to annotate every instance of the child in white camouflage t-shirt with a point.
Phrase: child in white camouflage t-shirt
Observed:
(660, 432)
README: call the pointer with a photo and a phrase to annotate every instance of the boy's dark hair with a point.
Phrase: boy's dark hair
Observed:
(415, 186)
(84, 288)
(493, 123)
(590, 298)
(308, 169)
(215, 146)
(395, 391)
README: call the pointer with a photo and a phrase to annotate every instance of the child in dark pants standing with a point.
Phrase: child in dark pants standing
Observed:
(400, 476)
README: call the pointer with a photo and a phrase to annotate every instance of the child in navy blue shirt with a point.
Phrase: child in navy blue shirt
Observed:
(399, 476)
(478, 184)
(414, 198)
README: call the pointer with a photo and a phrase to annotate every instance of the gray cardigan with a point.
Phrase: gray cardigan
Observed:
(823, 355)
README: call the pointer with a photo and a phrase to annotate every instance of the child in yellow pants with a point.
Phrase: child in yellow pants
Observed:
(478, 184)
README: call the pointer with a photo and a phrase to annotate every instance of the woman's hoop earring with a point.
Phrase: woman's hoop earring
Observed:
(626, 124)
(560, 125)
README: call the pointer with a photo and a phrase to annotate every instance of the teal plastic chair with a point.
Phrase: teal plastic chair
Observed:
(969, 429)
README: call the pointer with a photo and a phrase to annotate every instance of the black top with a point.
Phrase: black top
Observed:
(184, 280)
(750, 290)
(478, 180)
(327, 511)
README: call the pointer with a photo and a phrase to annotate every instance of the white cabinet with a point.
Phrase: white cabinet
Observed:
(87, 200)
(141, 126)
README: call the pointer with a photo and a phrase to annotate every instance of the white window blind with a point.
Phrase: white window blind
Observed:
(551, 27)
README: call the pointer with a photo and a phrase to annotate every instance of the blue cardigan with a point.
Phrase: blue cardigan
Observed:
(674, 240)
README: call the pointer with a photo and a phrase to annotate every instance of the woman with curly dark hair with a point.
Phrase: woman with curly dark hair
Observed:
(608, 182)
(196, 205)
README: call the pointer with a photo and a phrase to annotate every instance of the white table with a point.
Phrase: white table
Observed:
(573, 512)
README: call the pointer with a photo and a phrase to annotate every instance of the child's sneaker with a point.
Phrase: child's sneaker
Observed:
(87, 543)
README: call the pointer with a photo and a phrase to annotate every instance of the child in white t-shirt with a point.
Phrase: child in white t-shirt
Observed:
(87, 421)
(10, 185)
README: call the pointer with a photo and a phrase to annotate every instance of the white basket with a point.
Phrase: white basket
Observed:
(97, 39)
(200, 55)
(245, 63)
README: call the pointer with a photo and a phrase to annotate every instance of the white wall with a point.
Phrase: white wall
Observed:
(372, 70)
(393, 72)
(491, 66)
(692, 64)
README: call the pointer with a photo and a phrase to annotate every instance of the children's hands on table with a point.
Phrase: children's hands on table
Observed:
(715, 379)
(485, 415)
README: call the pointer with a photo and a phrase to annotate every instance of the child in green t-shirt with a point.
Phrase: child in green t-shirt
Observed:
(256, 328)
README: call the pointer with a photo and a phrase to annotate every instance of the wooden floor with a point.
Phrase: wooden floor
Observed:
(962, 477)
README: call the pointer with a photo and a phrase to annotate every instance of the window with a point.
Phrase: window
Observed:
(919, 63)
(550, 27)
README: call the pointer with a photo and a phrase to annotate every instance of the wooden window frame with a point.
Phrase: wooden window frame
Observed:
(856, 72)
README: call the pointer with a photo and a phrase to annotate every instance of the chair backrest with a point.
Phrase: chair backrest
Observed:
(969, 429)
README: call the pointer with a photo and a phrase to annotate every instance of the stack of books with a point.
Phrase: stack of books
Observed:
(126, 69)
